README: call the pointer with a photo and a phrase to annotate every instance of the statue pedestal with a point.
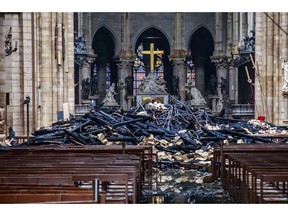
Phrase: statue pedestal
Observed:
(198, 105)
(110, 104)
(149, 97)
(213, 99)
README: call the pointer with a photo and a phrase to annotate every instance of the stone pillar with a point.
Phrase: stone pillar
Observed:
(2, 75)
(124, 70)
(219, 41)
(260, 58)
(86, 26)
(285, 102)
(221, 64)
(233, 88)
(125, 61)
(177, 55)
(179, 69)
(284, 55)
(85, 82)
(200, 74)
(86, 79)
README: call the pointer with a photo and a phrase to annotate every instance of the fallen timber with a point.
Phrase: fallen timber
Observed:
(178, 135)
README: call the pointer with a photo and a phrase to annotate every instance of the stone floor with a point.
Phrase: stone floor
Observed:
(183, 186)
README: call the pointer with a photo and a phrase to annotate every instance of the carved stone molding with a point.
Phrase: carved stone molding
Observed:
(125, 63)
(285, 92)
(177, 61)
(85, 60)
(222, 61)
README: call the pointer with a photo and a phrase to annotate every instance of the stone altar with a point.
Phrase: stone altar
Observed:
(153, 88)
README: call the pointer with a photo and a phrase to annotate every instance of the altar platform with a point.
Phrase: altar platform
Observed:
(146, 98)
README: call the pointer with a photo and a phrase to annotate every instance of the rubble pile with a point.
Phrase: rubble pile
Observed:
(178, 133)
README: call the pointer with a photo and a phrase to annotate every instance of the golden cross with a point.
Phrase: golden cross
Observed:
(152, 52)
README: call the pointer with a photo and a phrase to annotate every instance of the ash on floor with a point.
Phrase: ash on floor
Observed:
(184, 186)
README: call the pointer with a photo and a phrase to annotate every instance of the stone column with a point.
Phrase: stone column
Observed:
(179, 69)
(233, 88)
(86, 79)
(124, 70)
(261, 60)
(177, 55)
(200, 74)
(3, 105)
(285, 103)
(125, 61)
(219, 41)
(221, 64)
(86, 29)
(284, 55)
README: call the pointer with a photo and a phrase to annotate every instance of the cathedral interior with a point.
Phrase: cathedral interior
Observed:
(58, 65)
(70, 60)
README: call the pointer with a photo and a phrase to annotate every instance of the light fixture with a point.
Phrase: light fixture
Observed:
(8, 43)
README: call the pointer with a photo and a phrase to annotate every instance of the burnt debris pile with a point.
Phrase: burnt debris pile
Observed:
(178, 133)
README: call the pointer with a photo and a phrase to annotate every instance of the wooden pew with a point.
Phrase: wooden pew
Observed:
(38, 162)
(245, 165)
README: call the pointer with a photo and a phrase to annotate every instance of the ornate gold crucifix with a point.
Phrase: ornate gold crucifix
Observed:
(152, 52)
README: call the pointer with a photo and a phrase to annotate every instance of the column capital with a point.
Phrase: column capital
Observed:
(177, 53)
(124, 63)
(222, 61)
(285, 92)
(85, 60)
(177, 61)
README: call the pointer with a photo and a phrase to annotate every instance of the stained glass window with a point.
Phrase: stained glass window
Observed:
(139, 71)
(159, 66)
(191, 75)
(108, 76)
(139, 74)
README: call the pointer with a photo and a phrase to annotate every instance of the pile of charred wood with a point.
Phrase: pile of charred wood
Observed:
(176, 132)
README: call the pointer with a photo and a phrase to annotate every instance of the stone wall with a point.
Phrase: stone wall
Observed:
(35, 70)
(270, 51)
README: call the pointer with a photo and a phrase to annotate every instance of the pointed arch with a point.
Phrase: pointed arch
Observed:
(203, 34)
(153, 34)
(103, 44)
(200, 48)
(150, 29)
(110, 33)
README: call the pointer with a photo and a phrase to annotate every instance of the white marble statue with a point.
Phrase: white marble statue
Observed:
(285, 73)
(153, 84)
(109, 99)
(198, 99)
